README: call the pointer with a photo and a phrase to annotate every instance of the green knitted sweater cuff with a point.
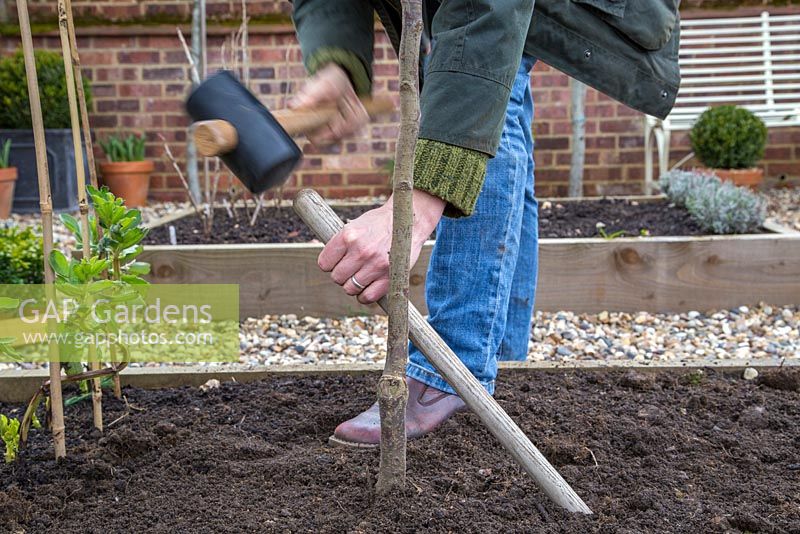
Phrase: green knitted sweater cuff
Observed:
(346, 59)
(451, 173)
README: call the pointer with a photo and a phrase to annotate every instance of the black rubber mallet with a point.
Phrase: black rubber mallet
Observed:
(254, 143)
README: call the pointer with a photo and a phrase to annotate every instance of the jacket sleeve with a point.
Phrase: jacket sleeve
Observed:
(339, 32)
(477, 49)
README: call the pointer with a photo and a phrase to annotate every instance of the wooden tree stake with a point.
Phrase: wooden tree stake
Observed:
(325, 224)
(392, 387)
(46, 204)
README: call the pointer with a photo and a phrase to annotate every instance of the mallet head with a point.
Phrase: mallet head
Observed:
(240, 130)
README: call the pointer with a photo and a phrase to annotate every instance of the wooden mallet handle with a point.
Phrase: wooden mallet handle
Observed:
(218, 137)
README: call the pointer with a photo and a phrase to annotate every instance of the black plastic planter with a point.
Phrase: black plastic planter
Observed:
(61, 164)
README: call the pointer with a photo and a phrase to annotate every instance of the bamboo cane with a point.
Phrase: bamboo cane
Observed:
(70, 53)
(46, 204)
(77, 68)
(97, 391)
(325, 224)
(392, 387)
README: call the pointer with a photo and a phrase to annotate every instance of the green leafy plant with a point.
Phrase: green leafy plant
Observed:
(7, 343)
(9, 433)
(110, 273)
(14, 105)
(728, 137)
(718, 207)
(130, 148)
(21, 256)
(601, 229)
(695, 378)
(5, 154)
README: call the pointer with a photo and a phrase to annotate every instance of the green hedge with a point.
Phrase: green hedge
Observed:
(15, 113)
(21, 256)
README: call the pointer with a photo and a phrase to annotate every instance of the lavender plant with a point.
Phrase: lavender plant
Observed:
(678, 185)
(726, 209)
(718, 207)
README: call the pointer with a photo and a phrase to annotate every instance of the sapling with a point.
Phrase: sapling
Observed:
(392, 387)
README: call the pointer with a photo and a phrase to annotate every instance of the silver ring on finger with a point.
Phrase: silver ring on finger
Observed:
(357, 284)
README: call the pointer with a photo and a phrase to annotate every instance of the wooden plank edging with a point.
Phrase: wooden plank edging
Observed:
(589, 275)
(17, 386)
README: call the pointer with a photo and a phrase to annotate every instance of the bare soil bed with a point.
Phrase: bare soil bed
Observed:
(649, 452)
(568, 219)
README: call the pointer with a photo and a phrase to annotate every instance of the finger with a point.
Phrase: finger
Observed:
(365, 276)
(347, 267)
(332, 254)
(358, 113)
(374, 292)
(321, 137)
(339, 126)
(315, 92)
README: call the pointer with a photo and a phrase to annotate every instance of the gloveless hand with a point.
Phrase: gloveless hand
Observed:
(331, 86)
(361, 249)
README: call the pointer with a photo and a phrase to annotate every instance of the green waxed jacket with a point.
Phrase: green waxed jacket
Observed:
(627, 49)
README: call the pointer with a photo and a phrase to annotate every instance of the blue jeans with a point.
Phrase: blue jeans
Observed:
(481, 280)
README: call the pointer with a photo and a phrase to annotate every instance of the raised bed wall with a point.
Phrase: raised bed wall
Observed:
(656, 274)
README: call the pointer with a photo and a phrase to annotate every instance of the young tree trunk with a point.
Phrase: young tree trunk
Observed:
(71, 67)
(191, 150)
(45, 201)
(392, 387)
(578, 139)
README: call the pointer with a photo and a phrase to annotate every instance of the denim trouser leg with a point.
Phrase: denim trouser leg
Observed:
(523, 287)
(481, 278)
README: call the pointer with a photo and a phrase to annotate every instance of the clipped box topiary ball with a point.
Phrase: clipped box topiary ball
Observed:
(728, 137)
(15, 113)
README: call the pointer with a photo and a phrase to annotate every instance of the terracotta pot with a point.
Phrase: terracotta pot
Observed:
(8, 178)
(751, 178)
(129, 180)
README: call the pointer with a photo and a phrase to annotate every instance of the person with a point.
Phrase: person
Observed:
(474, 166)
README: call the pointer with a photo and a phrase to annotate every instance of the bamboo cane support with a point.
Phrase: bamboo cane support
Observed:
(325, 224)
(77, 68)
(97, 391)
(70, 69)
(56, 400)
(392, 386)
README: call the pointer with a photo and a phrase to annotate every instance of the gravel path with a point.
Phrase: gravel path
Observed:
(760, 332)
(784, 206)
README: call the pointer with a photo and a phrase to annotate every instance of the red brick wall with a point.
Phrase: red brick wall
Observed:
(127, 10)
(152, 10)
(140, 80)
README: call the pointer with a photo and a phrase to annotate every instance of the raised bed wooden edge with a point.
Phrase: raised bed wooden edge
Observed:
(18, 385)
(656, 274)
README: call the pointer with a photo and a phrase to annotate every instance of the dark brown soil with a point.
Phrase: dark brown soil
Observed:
(579, 219)
(674, 453)
(568, 219)
(274, 225)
